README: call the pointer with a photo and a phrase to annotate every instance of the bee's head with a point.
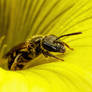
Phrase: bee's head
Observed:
(51, 44)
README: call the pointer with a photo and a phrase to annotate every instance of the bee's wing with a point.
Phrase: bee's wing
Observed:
(16, 48)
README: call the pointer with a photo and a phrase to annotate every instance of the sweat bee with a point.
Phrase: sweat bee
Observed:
(23, 53)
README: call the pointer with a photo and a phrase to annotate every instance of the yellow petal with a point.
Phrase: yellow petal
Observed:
(20, 20)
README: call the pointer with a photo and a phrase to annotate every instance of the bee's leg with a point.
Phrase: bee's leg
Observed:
(68, 46)
(15, 62)
(46, 54)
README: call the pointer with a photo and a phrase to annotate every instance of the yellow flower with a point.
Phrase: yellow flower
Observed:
(22, 19)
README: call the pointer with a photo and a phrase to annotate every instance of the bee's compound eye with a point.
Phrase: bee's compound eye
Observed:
(47, 43)
(49, 47)
(53, 47)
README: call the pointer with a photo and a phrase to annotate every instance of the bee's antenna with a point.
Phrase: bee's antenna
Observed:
(69, 35)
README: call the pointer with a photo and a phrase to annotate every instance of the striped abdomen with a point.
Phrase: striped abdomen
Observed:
(20, 55)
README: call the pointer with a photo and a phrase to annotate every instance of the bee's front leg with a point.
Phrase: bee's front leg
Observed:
(46, 54)
(68, 46)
